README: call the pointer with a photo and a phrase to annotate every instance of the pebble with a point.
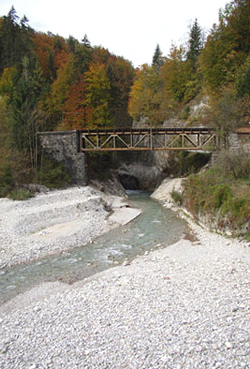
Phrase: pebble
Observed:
(178, 307)
(25, 227)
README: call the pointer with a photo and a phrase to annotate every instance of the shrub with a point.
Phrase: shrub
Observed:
(20, 194)
(223, 198)
(234, 164)
(177, 197)
(247, 235)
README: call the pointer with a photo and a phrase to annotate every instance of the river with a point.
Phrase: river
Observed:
(155, 227)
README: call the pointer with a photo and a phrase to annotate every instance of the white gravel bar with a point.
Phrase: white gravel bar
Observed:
(185, 306)
(57, 221)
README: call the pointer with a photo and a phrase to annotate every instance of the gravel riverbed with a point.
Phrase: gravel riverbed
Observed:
(57, 221)
(185, 306)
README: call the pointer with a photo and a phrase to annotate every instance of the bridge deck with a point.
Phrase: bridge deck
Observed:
(160, 138)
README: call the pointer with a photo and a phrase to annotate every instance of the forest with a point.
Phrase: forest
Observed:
(213, 67)
(48, 82)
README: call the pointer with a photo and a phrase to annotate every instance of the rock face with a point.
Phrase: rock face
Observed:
(141, 176)
(138, 176)
(139, 171)
(111, 186)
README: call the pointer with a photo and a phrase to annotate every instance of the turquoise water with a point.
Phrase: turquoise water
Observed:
(155, 227)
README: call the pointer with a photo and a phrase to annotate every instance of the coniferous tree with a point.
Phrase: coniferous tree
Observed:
(72, 42)
(27, 88)
(15, 40)
(86, 41)
(157, 61)
(243, 83)
(8, 34)
(195, 44)
(83, 55)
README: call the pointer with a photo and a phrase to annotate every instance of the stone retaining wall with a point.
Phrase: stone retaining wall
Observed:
(63, 147)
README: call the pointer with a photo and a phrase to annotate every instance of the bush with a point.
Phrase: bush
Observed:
(234, 164)
(223, 198)
(247, 236)
(20, 194)
(177, 197)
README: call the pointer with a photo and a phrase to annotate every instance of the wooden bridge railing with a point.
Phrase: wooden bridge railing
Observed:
(132, 139)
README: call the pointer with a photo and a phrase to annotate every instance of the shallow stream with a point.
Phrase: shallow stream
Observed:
(155, 227)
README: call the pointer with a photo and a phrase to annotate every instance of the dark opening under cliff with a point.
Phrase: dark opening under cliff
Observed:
(129, 182)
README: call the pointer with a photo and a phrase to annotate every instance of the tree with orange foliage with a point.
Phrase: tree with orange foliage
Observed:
(59, 91)
(76, 113)
(52, 53)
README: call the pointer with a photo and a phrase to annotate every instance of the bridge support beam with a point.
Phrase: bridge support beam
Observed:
(64, 148)
(137, 139)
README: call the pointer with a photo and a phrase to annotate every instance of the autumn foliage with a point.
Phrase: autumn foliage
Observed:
(48, 82)
(216, 65)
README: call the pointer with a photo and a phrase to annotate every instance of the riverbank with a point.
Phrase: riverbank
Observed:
(185, 306)
(57, 221)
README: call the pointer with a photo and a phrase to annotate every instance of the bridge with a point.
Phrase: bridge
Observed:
(138, 139)
(71, 147)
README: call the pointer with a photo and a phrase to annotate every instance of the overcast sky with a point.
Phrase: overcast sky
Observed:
(130, 28)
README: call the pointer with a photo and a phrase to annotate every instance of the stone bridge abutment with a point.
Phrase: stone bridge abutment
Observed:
(64, 148)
